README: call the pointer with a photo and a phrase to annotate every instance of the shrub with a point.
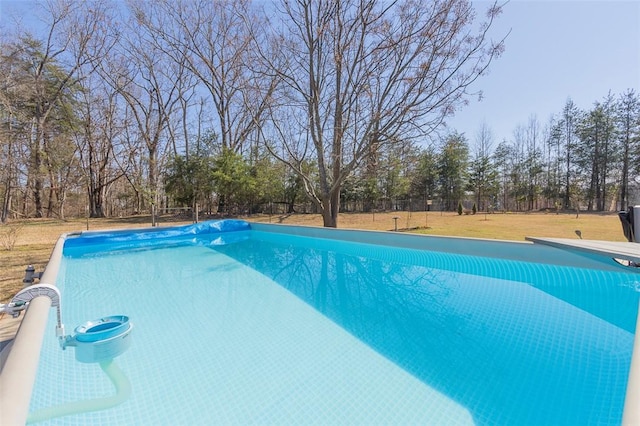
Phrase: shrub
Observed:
(474, 209)
(460, 208)
(9, 236)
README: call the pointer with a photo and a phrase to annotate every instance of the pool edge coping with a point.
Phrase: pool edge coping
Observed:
(19, 359)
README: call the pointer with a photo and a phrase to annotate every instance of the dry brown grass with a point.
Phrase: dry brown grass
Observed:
(36, 238)
(508, 226)
(34, 242)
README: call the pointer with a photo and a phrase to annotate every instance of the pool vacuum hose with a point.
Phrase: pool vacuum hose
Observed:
(123, 391)
(98, 341)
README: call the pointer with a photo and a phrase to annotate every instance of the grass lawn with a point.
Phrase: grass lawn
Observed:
(33, 240)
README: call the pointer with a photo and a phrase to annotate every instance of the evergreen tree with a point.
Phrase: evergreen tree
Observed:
(232, 180)
(501, 159)
(554, 165)
(568, 123)
(595, 131)
(533, 164)
(483, 180)
(483, 176)
(425, 180)
(452, 170)
(188, 180)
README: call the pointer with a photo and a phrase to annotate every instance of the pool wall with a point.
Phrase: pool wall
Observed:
(500, 249)
(19, 359)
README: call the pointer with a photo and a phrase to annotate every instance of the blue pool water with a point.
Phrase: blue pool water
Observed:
(282, 329)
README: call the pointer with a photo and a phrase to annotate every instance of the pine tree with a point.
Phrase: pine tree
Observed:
(568, 122)
(452, 169)
(628, 117)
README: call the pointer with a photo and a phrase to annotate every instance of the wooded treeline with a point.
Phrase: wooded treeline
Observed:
(315, 105)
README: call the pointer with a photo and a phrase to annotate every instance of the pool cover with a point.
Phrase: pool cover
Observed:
(220, 232)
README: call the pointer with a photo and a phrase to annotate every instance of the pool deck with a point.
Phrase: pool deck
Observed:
(618, 250)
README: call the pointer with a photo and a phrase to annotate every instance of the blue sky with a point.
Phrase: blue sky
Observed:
(556, 50)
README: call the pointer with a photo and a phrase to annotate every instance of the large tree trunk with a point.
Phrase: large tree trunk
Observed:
(6, 202)
(96, 208)
(37, 197)
(36, 164)
(328, 220)
(61, 203)
(330, 209)
(153, 168)
(50, 200)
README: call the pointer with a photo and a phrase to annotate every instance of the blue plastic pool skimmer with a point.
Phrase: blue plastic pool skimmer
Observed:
(98, 341)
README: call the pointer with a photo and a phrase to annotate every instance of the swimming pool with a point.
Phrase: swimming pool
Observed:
(276, 325)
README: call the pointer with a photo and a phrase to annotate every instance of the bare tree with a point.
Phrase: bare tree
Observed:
(152, 87)
(101, 141)
(215, 41)
(364, 73)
